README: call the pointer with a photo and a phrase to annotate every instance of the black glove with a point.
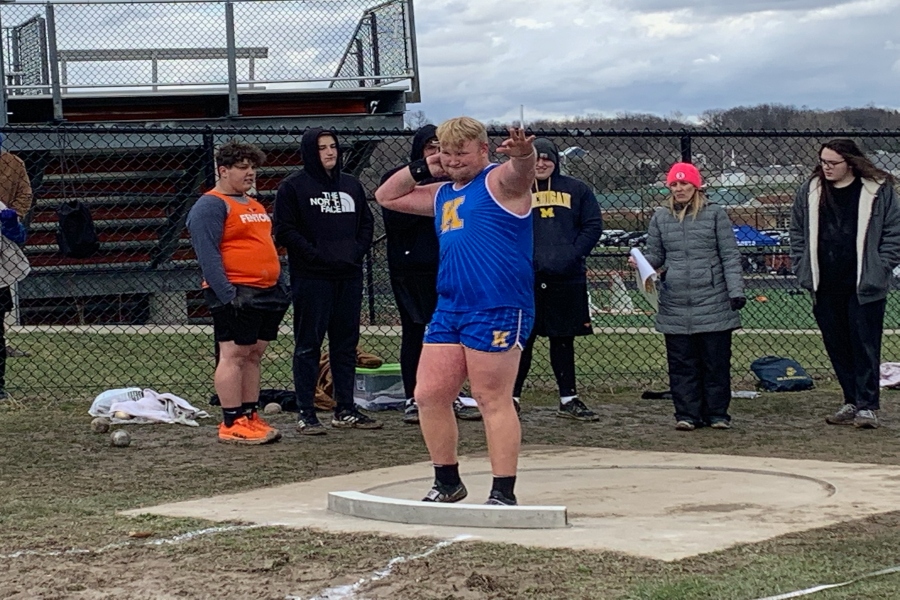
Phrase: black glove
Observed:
(738, 303)
(419, 170)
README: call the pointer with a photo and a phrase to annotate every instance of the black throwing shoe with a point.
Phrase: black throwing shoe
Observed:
(351, 418)
(464, 412)
(411, 412)
(446, 493)
(575, 409)
(498, 498)
(309, 424)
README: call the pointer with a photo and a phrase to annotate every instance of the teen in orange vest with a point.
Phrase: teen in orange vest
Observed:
(232, 236)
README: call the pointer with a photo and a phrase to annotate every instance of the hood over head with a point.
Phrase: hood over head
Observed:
(309, 152)
(425, 134)
(547, 149)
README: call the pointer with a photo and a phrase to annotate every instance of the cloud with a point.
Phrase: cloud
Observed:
(657, 57)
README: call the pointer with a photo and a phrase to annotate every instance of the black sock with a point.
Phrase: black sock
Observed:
(248, 408)
(505, 485)
(230, 415)
(447, 474)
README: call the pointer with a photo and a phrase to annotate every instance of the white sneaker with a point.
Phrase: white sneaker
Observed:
(865, 419)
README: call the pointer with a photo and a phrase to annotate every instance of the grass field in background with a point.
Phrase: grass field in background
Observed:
(81, 365)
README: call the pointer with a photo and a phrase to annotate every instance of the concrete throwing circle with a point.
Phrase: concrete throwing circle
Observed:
(640, 490)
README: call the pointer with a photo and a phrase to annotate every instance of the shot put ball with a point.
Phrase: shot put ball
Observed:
(120, 438)
(272, 408)
(100, 425)
(121, 415)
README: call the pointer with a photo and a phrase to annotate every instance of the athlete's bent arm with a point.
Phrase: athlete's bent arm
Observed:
(511, 182)
(401, 193)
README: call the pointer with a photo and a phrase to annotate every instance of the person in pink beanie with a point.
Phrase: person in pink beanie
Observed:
(691, 242)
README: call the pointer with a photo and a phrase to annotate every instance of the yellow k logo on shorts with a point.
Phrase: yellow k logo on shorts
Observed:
(500, 339)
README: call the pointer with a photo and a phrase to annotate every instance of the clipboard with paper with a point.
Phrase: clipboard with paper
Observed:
(646, 277)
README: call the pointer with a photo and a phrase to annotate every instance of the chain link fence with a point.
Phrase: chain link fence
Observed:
(130, 312)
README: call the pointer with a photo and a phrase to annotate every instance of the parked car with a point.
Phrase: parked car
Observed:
(609, 235)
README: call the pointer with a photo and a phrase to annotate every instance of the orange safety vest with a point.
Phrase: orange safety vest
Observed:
(248, 252)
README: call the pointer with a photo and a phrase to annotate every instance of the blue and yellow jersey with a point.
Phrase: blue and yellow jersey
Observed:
(485, 250)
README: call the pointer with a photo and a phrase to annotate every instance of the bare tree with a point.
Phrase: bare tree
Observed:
(415, 119)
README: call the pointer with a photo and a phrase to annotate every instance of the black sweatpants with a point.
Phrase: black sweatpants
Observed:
(562, 361)
(700, 375)
(851, 333)
(325, 306)
(416, 297)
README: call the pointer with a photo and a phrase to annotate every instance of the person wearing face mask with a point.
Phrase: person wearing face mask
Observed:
(845, 243)
(701, 291)
(567, 225)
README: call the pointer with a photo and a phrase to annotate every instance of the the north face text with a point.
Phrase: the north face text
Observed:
(334, 202)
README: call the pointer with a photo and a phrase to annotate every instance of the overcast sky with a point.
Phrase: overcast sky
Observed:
(565, 58)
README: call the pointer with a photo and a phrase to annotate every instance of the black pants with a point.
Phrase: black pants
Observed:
(325, 306)
(851, 333)
(416, 297)
(562, 361)
(6, 305)
(2, 351)
(700, 375)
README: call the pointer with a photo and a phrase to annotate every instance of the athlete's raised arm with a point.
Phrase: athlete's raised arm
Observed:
(511, 182)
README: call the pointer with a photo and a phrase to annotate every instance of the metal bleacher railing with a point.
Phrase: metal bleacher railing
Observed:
(105, 47)
(131, 313)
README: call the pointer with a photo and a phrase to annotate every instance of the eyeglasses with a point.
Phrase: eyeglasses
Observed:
(830, 163)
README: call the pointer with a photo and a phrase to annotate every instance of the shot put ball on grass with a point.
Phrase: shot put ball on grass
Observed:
(120, 438)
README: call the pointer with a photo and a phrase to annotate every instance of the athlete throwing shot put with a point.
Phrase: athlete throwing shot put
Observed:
(485, 284)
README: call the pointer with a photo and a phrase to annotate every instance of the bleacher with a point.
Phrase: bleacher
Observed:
(92, 127)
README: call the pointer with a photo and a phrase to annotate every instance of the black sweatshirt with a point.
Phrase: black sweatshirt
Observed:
(322, 219)
(567, 222)
(412, 244)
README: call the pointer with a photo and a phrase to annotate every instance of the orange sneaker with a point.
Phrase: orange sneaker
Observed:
(257, 421)
(243, 432)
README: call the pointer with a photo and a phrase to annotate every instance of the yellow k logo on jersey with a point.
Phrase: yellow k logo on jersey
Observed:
(450, 215)
(500, 339)
(547, 213)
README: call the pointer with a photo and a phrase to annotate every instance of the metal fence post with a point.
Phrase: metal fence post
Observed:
(3, 103)
(209, 160)
(686, 147)
(54, 64)
(231, 53)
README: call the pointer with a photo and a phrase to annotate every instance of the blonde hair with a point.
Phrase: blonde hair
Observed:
(453, 133)
(693, 208)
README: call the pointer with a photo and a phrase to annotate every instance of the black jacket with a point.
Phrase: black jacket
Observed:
(323, 220)
(567, 225)
(412, 244)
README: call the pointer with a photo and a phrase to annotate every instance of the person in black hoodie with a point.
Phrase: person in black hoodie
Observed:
(323, 219)
(412, 253)
(567, 225)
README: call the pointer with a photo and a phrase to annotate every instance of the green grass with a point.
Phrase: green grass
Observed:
(81, 365)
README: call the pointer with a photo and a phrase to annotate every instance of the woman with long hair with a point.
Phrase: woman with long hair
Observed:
(845, 243)
(700, 293)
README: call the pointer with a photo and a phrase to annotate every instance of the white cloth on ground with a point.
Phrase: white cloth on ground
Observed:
(890, 375)
(145, 406)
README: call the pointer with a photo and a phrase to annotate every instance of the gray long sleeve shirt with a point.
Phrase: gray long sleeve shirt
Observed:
(206, 223)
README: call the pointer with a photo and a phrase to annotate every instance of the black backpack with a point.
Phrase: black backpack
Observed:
(778, 374)
(76, 235)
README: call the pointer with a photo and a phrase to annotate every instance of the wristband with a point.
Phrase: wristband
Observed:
(419, 170)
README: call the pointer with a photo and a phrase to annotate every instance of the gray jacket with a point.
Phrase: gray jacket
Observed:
(877, 238)
(701, 271)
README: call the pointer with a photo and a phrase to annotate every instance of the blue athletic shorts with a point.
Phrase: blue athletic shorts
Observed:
(495, 330)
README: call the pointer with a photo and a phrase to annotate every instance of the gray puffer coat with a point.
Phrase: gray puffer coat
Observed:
(701, 271)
